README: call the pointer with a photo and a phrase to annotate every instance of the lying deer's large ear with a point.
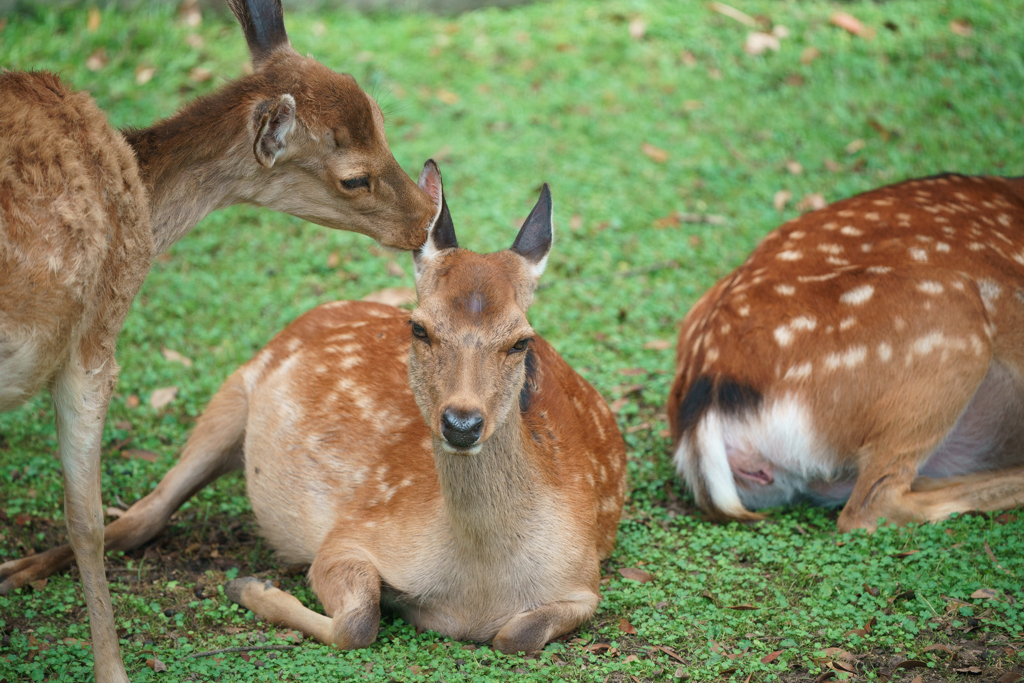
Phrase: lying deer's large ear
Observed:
(533, 242)
(263, 24)
(441, 231)
(272, 121)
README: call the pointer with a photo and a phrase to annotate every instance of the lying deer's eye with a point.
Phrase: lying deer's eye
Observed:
(519, 346)
(420, 332)
(355, 183)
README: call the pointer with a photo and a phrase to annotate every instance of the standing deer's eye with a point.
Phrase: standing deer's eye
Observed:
(519, 346)
(356, 183)
(420, 332)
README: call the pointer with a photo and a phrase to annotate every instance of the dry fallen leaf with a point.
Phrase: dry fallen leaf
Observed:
(855, 146)
(97, 60)
(618, 404)
(190, 14)
(794, 167)
(393, 296)
(144, 74)
(852, 24)
(333, 259)
(781, 198)
(658, 344)
(733, 13)
(832, 165)
(659, 155)
(94, 20)
(200, 74)
(626, 627)
(415, 669)
(812, 202)
(758, 42)
(771, 657)
(447, 96)
(809, 55)
(688, 58)
(637, 29)
(742, 608)
(636, 574)
(394, 269)
(961, 27)
(175, 357)
(969, 670)
(985, 594)
(156, 665)
(161, 397)
(195, 41)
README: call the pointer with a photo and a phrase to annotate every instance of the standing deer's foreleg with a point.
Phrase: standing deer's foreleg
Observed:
(215, 448)
(530, 631)
(348, 588)
(81, 396)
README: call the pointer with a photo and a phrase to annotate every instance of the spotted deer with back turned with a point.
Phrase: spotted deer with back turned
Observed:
(84, 209)
(870, 353)
(446, 464)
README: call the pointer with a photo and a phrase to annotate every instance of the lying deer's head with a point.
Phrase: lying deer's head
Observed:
(470, 333)
(319, 140)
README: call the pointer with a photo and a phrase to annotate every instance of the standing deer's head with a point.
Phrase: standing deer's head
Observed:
(470, 335)
(319, 140)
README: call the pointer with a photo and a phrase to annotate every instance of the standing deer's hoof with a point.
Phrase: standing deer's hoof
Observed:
(242, 591)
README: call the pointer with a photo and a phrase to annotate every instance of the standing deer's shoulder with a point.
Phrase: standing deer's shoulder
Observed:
(867, 353)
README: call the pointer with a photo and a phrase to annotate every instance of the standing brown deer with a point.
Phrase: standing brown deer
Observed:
(871, 353)
(84, 209)
(445, 463)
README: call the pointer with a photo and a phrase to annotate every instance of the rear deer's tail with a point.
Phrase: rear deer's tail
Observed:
(700, 453)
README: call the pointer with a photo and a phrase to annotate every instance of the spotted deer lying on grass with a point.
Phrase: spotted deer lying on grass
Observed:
(446, 463)
(870, 353)
(83, 210)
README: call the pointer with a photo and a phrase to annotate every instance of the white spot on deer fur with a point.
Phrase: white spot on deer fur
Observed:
(918, 254)
(785, 290)
(817, 278)
(975, 246)
(990, 291)
(851, 231)
(866, 247)
(930, 287)
(942, 246)
(847, 323)
(850, 358)
(899, 323)
(801, 371)
(803, 323)
(830, 226)
(976, 344)
(879, 270)
(789, 255)
(884, 351)
(924, 238)
(783, 335)
(724, 329)
(833, 249)
(846, 213)
(743, 311)
(797, 234)
(1004, 220)
(872, 216)
(903, 216)
(294, 344)
(857, 295)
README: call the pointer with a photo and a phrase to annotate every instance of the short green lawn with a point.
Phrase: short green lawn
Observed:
(569, 93)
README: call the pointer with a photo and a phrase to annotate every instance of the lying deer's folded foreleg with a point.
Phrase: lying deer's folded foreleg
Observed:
(212, 450)
(348, 588)
(530, 631)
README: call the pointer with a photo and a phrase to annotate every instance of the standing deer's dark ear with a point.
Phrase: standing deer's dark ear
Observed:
(263, 24)
(441, 231)
(533, 242)
(272, 121)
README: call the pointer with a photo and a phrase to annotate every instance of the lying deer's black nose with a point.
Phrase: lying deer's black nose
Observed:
(461, 428)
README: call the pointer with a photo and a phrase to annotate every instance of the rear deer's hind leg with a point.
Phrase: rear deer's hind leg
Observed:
(530, 631)
(215, 448)
(349, 589)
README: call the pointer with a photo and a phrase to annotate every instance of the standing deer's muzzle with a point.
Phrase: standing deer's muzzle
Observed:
(461, 428)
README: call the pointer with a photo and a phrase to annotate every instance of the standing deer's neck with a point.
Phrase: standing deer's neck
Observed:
(490, 497)
(192, 164)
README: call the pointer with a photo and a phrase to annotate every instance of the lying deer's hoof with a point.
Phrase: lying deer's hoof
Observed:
(240, 589)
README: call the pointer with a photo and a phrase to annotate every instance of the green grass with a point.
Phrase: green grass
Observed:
(555, 92)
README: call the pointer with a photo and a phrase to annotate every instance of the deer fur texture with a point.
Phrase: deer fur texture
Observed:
(869, 353)
(338, 424)
(84, 209)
